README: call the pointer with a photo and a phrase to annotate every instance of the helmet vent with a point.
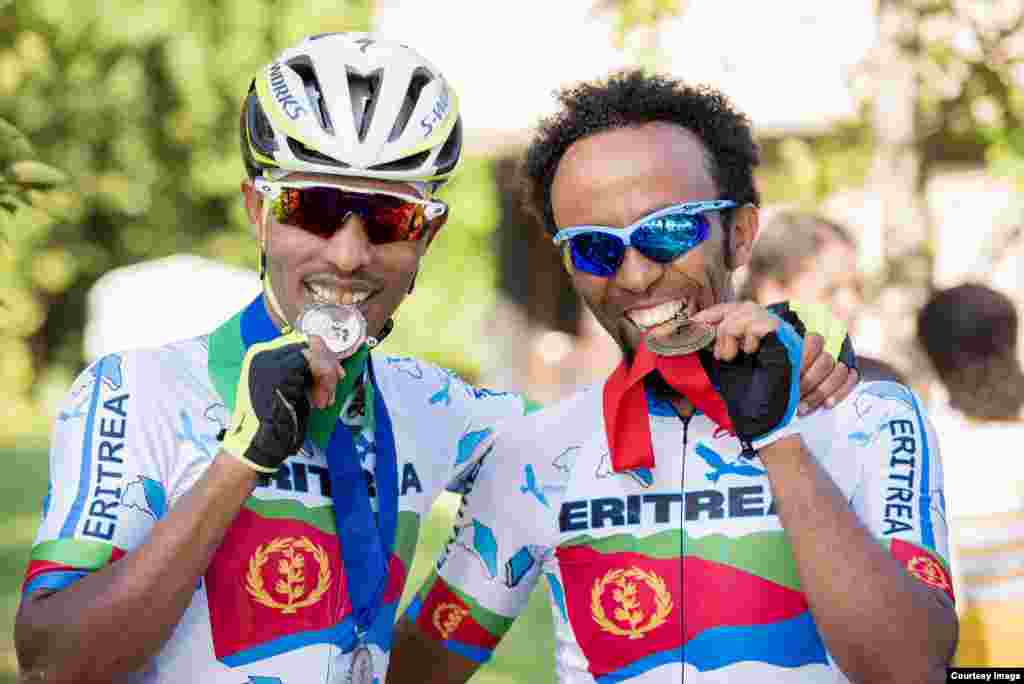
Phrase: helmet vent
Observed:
(448, 157)
(304, 68)
(404, 164)
(363, 89)
(307, 154)
(420, 78)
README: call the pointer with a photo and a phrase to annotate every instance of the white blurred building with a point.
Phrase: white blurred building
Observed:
(163, 300)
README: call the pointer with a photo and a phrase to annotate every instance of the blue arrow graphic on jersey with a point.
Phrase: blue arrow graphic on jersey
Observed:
(469, 442)
(722, 467)
(485, 546)
(531, 485)
(558, 594)
(443, 395)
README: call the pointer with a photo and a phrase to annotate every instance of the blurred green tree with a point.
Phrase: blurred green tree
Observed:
(138, 102)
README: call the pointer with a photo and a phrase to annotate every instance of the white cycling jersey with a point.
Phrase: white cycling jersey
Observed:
(139, 428)
(680, 573)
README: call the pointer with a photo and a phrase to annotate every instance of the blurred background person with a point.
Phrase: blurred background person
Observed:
(969, 334)
(808, 258)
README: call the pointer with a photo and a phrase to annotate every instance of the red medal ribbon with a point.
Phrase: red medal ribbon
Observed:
(625, 404)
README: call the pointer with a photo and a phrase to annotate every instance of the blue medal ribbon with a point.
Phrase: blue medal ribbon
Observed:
(367, 544)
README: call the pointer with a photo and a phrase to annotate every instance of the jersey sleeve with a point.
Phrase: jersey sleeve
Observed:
(482, 411)
(105, 489)
(492, 561)
(900, 494)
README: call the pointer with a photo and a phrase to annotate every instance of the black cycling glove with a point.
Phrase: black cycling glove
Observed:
(272, 404)
(762, 390)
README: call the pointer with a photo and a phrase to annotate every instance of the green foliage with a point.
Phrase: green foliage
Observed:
(137, 102)
(630, 16)
(443, 320)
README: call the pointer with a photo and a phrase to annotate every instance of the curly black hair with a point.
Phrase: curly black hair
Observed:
(631, 98)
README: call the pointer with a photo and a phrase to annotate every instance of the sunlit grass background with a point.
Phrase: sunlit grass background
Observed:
(525, 655)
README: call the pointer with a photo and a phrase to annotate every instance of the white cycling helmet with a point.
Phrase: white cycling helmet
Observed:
(349, 104)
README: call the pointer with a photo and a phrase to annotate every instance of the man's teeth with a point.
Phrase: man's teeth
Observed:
(332, 295)
(655, 315)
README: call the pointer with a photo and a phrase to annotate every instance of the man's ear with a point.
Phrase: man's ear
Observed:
(253, 206)
(746, 223)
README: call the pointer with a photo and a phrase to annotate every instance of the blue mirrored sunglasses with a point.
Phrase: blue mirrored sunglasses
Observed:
(662, 236)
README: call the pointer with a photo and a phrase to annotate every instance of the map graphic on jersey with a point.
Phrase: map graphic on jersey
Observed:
(410, 367)
(218, 415)
(146, 495)
(565, 459)
(204, 443)
(643, 476)
(722, 467)
(469, 442)
(483, 545)
(517, 566)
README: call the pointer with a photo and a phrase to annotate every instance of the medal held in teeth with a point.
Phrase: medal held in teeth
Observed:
(341, 326)
(685, 338)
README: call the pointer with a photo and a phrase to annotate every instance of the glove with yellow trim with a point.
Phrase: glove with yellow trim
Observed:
(271, 405)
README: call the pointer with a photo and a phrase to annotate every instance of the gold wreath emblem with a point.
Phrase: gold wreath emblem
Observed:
(928, 571)
(626, 597)
(456, 614)
(291, 581)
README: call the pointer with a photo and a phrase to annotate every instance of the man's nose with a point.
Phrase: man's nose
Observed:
(350, 248)
(637, 272)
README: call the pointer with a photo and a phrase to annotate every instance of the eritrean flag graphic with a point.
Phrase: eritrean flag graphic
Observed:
(456, 620)
(276, 584)
(922, 565)
(59, 563)
(742, 601)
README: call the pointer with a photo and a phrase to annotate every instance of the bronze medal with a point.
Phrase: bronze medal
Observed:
(686, 338)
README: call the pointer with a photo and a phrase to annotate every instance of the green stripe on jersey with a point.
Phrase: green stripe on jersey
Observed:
(78, 553)
(765, 554)
(320, 517)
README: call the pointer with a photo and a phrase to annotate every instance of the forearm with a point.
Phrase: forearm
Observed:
(417, 658)
(113, 621)
(879, 623)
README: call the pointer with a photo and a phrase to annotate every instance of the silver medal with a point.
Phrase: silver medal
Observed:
(342, 327)
(361, 671)
(687, 337)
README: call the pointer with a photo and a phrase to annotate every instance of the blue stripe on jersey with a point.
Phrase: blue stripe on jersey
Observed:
(641, 666)
(925, 501)
(54, 581)
(341, 635)
(474, 653)
(71, 523)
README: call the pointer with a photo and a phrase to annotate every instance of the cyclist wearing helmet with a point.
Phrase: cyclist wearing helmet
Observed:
(211, 471)
(243, 506)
